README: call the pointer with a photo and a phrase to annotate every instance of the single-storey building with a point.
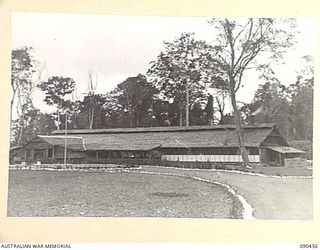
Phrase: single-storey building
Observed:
(218, 143)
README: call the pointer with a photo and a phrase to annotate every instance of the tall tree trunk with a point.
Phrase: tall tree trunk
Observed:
(11, 110)
(187, 104)
(91, 116)
(238, 123)
(65, 140)
(59, 118)
(75, 120)
(11, 107)
(58, 125)
(221, 117)
(11, 121)
(21, 132)
(180, 118)
(22, 125)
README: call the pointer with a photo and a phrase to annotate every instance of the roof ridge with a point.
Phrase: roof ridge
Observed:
(60, 136)
(162, 129)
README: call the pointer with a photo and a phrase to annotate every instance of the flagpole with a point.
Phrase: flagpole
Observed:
(65, 141)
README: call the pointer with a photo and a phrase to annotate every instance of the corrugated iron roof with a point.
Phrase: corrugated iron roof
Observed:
(74, 143)
(161, 129)
(169, 137)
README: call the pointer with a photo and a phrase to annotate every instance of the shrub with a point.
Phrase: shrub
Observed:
(220, 166)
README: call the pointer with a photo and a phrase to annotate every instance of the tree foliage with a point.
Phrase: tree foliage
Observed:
(34, 123)
(240, 44)
(301, 95)
(56, 89)
(180, 72)
(289, 107)
(175, 90)
(91, 104)
(135, 97)
(21, 74)
(22, 65)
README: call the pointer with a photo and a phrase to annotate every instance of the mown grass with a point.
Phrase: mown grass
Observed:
(101, 194)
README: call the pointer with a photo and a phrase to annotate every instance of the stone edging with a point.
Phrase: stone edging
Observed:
(234, 171)
(247, 211)
(114, 166)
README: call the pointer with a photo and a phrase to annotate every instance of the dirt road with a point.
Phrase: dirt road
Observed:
(271, 198)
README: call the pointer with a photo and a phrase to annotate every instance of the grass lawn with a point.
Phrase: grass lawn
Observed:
(51, 193)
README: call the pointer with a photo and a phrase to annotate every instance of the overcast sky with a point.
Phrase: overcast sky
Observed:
(118, 47)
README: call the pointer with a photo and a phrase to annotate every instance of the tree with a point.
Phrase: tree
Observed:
(240, 44)
(92, 112)
(208, 117)
(21, 73)
(179, 72)
(301, 94)
(163, 113)
(135, 98)
(197, 114)
(25, 74)
(220, 99)
(56, 89)
(33, 124)
(270, 104)
(90, 98)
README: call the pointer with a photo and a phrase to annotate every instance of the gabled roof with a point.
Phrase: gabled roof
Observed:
(15, 148)
(73, 143)
(169, 137)
(161, 129)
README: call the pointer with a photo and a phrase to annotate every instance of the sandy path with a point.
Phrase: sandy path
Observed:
(271, 198)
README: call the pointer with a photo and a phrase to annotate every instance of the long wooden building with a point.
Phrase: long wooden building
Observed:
(263, 142)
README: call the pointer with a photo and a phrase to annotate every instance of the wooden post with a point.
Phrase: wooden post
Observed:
(187, 104)
(259, 150)
(65, 142)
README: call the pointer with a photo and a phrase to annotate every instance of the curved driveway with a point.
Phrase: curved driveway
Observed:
(271, 198)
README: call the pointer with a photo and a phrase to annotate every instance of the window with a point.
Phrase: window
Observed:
(50, 153)
(39, 154)
(28, 153)
(137, 155)
(114, 154)
(124, 154)
(253, 151)
(103, 155)
(229, 151)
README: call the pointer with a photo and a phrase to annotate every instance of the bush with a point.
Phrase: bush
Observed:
(304, 145)
(220, 166)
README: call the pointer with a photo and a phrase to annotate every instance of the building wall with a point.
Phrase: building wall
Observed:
(15, 155)
(264, 155)
(208, 151)
(223, 154)
(42, 151)
(209, 158)
(59, 153)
